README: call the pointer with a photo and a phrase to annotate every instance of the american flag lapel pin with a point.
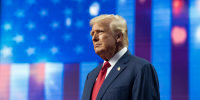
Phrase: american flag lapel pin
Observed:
(118, 68)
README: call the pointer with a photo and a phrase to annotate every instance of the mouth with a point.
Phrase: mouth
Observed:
(97, 45)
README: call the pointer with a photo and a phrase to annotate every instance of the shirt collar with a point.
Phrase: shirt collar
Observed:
(117, 56)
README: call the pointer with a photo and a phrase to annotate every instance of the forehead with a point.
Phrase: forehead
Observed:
(100, 26)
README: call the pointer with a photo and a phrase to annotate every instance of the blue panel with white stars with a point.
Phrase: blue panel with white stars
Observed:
(49, 30)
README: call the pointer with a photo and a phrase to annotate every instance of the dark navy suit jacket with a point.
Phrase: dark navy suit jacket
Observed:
(136, 80)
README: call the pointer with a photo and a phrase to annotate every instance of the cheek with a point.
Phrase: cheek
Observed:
(109, 42)
(106, 38)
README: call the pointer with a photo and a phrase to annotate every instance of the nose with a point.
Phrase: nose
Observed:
(95, 37)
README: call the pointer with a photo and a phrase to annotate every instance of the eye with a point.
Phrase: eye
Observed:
(100, 31)
(92, 33)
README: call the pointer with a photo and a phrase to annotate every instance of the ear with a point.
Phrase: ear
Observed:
(119, 37)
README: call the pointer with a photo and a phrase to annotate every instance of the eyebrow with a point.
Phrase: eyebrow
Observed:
(97, 30)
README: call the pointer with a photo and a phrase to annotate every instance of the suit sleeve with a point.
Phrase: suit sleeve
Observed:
(146, 86)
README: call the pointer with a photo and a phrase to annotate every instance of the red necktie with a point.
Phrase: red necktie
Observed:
(100, 80)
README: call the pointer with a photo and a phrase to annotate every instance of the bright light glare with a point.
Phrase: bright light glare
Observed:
(197, 35)
(179, 35)
(94, 9)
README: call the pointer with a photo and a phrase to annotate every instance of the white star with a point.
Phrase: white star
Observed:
(19, 13)
(7, 26)
(18, 38)
(31, 25)
(30, 51)
(67, 37)
(55, 24)
(43, 12)
(42, 37)
(6, 51)
(79, 49)
(54, 50)
(68, 22)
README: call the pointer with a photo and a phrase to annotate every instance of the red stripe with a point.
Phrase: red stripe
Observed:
(36, 81)
(179, 55)
(71, 82)
(143, 29)
(4, 81)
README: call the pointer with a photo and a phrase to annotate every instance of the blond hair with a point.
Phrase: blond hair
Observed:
(116, 24)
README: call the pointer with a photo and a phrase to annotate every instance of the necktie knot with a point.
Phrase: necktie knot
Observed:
(106, 65)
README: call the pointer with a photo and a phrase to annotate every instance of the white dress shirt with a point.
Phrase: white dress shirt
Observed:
(115, 58)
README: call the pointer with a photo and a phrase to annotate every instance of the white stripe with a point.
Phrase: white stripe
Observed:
(54, 81)
(19, 81)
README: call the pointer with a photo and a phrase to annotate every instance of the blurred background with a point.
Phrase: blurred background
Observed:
(46, 50)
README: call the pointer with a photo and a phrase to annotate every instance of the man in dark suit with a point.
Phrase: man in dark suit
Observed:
(123, 76)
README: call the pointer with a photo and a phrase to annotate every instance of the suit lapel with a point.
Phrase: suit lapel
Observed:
(113, 74)
(91, 81)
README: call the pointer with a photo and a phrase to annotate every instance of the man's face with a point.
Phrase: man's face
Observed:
(103, 40)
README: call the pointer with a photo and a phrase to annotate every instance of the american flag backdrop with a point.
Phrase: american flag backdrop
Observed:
(46, 50)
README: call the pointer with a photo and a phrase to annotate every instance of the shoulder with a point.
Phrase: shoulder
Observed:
(137, 64)
(134, 59)
(139, 60)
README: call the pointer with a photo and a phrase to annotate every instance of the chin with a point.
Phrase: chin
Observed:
(98, 51)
